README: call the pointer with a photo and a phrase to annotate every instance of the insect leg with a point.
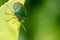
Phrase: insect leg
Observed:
(24, 27)
(10, 18)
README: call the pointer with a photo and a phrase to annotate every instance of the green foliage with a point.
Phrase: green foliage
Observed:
(2, 2)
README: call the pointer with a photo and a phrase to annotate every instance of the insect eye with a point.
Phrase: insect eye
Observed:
(19, 10)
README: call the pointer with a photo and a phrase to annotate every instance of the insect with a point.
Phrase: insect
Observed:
(20, 12)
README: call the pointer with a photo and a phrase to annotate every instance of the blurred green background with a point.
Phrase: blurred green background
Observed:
(43, 20)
